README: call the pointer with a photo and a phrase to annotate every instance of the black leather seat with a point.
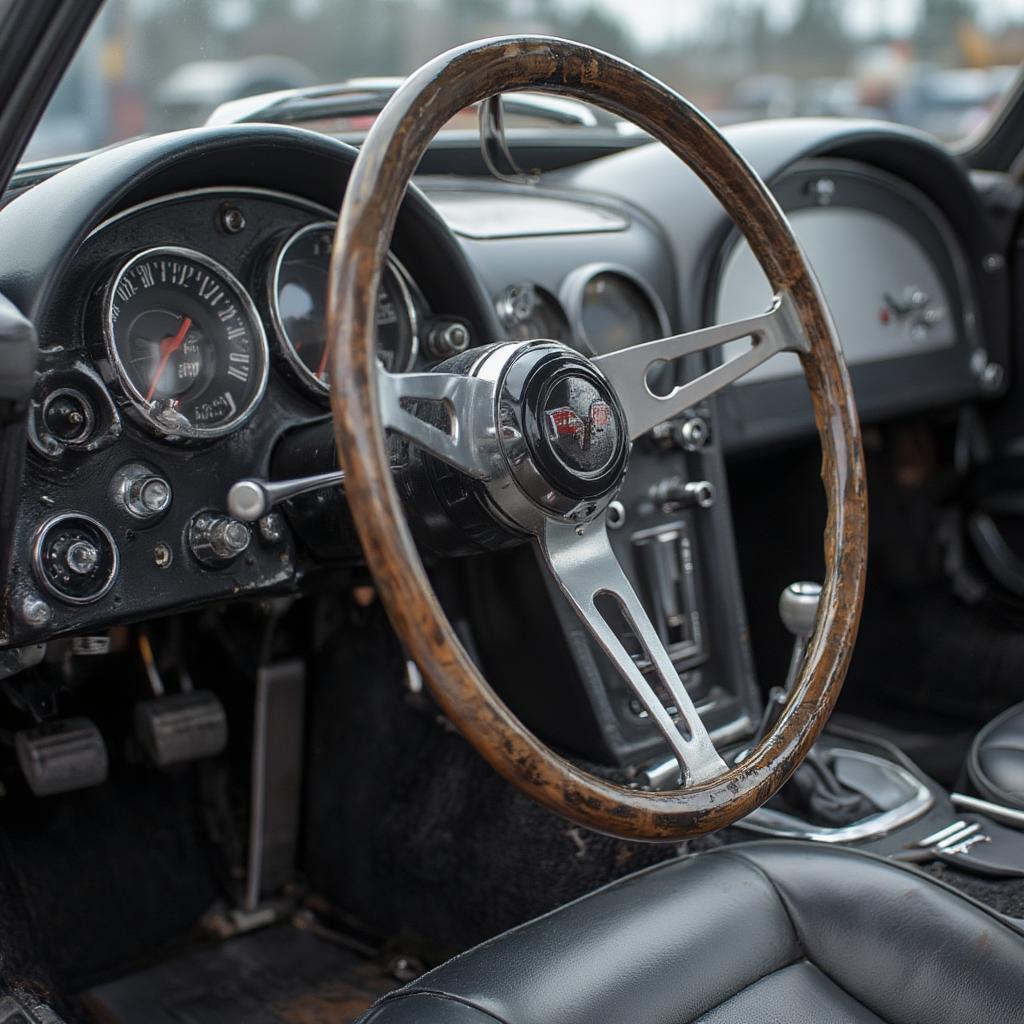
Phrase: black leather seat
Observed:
(761, 933)
(995, 763)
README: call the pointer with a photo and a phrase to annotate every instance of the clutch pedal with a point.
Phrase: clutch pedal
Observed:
(181, 727)
(61, 756)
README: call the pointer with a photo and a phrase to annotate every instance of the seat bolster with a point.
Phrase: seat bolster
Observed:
(899, 942)
(995, 762)
(665, 945)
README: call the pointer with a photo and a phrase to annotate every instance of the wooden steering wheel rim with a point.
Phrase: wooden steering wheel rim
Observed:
(389, 156)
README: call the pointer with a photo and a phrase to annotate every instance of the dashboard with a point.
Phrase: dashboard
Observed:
(178, 285)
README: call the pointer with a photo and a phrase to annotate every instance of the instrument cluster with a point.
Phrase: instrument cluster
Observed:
(185, 350)
(186, 344)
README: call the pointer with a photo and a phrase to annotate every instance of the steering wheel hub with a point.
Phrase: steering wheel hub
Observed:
(562, 431)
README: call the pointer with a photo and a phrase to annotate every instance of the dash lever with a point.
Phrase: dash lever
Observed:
(251, 499)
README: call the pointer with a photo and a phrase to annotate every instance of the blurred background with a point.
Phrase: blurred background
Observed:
(939, 65)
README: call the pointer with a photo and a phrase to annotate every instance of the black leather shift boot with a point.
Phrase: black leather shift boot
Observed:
(816, 796)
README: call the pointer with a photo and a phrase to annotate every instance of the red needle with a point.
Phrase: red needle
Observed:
(322, 368)
(168, 347)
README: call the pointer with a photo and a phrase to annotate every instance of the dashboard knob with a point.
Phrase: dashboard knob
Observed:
(68, 416)
(674, 494)
(82, 557)
(75, 558)
(694, 433)
(141, 491)
(217, 540)
(447, 338)
(148, 496)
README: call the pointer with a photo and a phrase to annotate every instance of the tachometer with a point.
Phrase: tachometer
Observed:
(298, 304)
(185, 342)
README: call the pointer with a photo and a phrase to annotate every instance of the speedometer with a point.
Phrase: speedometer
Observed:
(185, 342)
(298, 304)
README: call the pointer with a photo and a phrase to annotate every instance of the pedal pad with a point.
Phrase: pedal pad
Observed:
(181, 727)
(61, 756)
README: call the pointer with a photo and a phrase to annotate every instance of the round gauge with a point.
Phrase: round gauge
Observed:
(298, 303)
(529, 312)
(612, 310)
(185, 342)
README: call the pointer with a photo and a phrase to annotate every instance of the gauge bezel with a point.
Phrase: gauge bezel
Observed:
(261, 355)
(575, 284)
(40, 572)
(295, 364)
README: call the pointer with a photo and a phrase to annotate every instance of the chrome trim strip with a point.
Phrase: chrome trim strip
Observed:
(942, 833)
(997, 812)
(223, 191)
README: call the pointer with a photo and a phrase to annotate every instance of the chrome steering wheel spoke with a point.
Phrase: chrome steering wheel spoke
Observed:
(777, 330)
(468, 441)
(586, 569)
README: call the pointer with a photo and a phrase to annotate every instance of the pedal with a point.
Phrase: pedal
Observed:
(181, 727)
(61, 756)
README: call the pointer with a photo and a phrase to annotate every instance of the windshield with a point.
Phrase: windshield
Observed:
(154, 65)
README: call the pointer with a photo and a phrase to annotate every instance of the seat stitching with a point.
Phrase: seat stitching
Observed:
(785, 967)
(1011, 924)
(756, 981)
(796, 931)
(406, 993)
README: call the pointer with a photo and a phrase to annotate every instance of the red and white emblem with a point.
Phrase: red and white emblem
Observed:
(567, 422)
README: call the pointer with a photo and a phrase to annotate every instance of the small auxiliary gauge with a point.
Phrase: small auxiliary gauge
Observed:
(185, 342)
(298, 306)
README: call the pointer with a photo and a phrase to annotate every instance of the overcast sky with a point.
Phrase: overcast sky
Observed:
(653, 21)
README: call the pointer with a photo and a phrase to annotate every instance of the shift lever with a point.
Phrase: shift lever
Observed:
(814, 793)
(798, 609)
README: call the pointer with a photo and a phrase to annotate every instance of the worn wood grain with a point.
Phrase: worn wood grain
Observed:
(385, 166)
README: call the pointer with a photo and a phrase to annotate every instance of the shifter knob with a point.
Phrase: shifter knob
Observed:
(798, 608)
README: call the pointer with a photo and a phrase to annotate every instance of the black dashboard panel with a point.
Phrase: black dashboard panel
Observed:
(632, 243)
(157, 570)
(99, 478)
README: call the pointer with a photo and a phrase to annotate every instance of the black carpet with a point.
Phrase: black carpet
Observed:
(412, 833)
(100, 879)
(1004, 895)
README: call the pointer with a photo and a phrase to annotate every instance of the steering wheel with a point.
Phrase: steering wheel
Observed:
(544, 435)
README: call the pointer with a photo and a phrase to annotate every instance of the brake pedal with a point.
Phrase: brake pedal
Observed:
(61, 756)
(181, 727)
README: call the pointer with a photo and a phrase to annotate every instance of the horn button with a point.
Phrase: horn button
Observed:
(563, 431)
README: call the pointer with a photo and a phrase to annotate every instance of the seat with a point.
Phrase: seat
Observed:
(762, 933)
(995, 763)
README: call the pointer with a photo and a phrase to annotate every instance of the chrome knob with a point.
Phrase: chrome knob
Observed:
(141, 491)
(82, 557)
(694, 433)
(217, 540)
(149, 496)
(674, 494)
(798, 608)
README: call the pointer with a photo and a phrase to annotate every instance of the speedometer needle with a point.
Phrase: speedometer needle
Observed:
(322, 368)
(168, 347)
